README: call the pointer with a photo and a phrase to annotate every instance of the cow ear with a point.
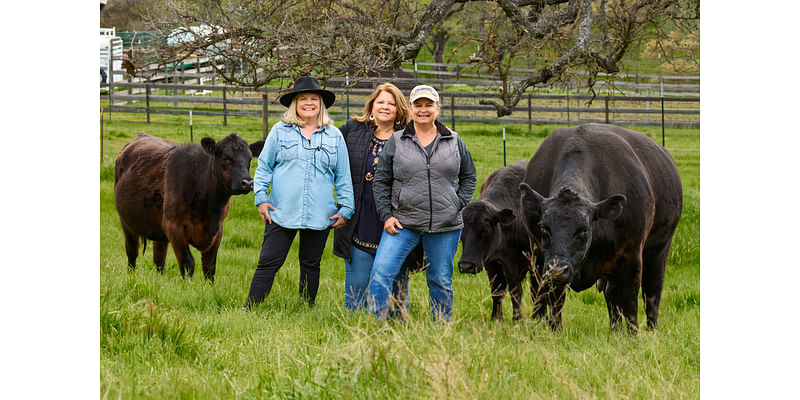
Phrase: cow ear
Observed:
(505, 216)
(610, 208)
(208, 145)
(256, 148)
(530, 200)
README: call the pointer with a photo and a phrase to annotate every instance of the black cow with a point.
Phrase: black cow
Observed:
(614, 199)
(180, 195)
(493, 238)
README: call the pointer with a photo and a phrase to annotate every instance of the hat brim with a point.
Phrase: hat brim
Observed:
(328, 97)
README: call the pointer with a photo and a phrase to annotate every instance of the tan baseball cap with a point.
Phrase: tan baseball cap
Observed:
(425, 91)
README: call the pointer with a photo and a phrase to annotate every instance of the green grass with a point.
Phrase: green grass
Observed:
(165, 337)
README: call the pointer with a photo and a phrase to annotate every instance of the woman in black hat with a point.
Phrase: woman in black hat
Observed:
(303, 163)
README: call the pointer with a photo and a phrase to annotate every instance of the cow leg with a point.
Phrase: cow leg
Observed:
(497, 282)
(185, 259)
(515, 291)
(160, 254)
(209, 260)
(610, 293)
(131, 247)
(555, 298)
(621, 293)
(652, 284)
(538, 295)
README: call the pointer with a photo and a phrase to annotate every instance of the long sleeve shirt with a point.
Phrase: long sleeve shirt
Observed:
(307, 181)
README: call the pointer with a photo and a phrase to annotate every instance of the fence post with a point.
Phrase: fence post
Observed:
(416, 81)
(197, 70)
(504, 146)
(453, 111)
(568, 117)
(606, 108)
(224, 106)
(174, 81)
(101, 136)
(347, 94)
(147, 100)
(530, 120)
(191, 130)
(265, 113)
(130, 80)
(662, 115)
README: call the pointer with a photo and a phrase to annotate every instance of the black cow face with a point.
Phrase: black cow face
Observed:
(482, 235)
(232, 157)
(562, 227)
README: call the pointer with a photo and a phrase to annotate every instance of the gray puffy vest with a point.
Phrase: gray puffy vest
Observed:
(424, 191)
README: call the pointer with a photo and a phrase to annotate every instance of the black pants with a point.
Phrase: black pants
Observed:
(277, 241)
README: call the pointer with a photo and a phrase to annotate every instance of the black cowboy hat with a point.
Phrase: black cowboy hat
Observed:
(308, 84)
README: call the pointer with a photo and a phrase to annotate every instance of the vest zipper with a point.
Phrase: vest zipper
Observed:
(430, 187)
(430, 196)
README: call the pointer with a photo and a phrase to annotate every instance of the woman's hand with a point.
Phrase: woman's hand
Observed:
(340, 221)
(392, 226)
(263, 210)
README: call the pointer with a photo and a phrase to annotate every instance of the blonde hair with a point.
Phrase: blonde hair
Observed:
(291, 117)
(403, 114)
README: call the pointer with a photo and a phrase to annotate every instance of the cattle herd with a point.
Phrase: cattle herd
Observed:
(596, 205)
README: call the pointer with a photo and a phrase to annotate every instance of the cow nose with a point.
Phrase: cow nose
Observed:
(558, 271)
(247, 183)
(466, 267)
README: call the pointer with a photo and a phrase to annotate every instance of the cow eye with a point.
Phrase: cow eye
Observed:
(583, 232)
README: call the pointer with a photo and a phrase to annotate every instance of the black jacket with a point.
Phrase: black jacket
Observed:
(357, 137)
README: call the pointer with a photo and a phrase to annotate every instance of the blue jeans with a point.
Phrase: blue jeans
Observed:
(356, 280)
(440, 248)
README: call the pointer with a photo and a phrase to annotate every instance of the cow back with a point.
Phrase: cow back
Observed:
(139, 185)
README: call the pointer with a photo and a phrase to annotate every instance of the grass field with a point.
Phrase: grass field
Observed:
(165, 337)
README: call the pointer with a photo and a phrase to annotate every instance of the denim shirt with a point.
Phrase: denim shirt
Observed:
(298, 177)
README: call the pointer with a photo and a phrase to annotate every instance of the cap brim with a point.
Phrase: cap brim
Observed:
(423, 97)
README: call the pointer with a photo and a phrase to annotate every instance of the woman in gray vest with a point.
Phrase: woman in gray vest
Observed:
(425, 177)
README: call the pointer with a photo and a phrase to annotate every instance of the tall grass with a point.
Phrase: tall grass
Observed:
(165, 337)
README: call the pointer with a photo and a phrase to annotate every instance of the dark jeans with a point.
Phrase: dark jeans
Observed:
(277, 241)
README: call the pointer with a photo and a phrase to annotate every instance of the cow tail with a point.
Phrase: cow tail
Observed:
(144, 245)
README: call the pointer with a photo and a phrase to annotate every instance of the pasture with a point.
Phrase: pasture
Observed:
(165, 337)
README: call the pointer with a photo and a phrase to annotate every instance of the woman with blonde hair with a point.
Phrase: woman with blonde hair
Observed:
(385, 112)
(304, 161)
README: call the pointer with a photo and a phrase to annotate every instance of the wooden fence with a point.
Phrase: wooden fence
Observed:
(460, 100)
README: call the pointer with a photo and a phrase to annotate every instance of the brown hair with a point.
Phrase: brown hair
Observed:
(403, 114)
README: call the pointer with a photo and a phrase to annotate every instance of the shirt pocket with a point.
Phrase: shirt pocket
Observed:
(326, 159)
(288, 150)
